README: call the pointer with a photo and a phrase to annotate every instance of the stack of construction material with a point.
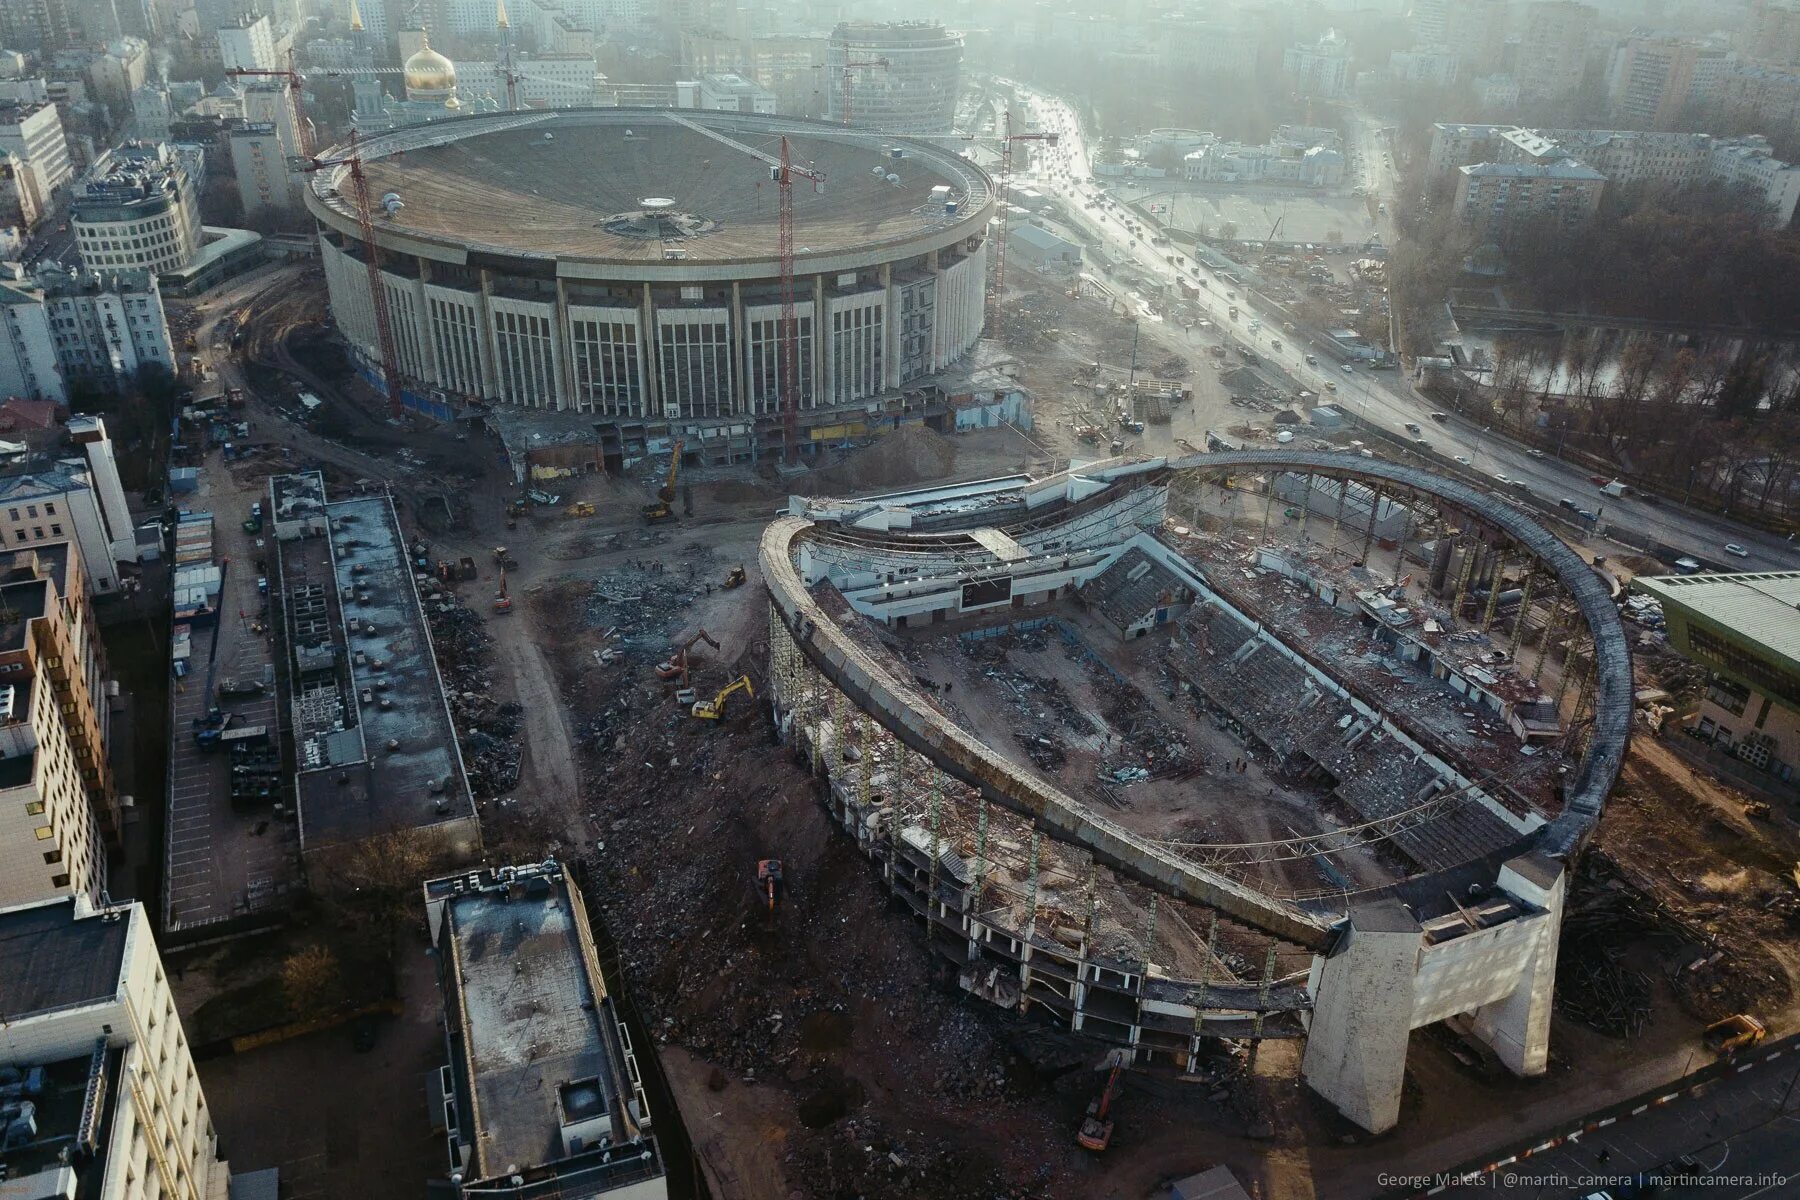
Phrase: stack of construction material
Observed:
(194, 539)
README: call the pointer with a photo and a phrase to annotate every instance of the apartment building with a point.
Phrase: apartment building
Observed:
(63, 327)
(20, 206)
(1474, 30)
(1498, 199)
(1770, 36)
(1425, 67)
(77, 498)
(34, 133)
(265, 186)
(1652, 79)
(99, 1053)
(1553, 48)
(120, 71)
(1320, 69)
(59, 810)
(138, 209)
(247, 44)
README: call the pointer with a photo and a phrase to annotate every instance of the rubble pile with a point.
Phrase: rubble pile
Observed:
(643, 603)
(490, 732)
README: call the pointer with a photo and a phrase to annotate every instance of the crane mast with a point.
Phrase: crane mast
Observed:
(384, 328)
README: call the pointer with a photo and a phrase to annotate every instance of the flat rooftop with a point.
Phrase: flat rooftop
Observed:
(1760, 608)
(575, 185)
(59, 1090)
(394, 763)
(541, 1068)
(51, 960)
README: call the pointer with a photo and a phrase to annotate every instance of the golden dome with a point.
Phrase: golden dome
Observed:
(429, 71)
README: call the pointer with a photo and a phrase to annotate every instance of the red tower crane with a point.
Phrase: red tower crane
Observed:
(790, 324)
(1003, 200)
(384, 328)
(302, 132)
(882, 63)
(782, 170)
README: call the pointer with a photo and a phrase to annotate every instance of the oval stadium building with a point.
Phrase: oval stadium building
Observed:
(625, 263)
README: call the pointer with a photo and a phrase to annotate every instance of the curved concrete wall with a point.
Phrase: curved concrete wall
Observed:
(906, 713)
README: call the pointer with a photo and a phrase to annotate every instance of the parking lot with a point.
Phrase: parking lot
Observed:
(223, 863)
(1303, 216)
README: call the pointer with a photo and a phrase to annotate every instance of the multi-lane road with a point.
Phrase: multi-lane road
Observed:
(1381, 398)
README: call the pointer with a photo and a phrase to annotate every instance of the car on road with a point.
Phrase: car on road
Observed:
(1585, 515)
(1441, 418)
(1348, 369)
(1330, 386)
(1312, 360)
(1534, 454)
(1736, 551)
(1463, 459)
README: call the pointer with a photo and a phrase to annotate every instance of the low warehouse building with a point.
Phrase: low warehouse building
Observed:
(1042, 250)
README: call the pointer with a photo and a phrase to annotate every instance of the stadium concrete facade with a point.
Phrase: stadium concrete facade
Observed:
(625, 263)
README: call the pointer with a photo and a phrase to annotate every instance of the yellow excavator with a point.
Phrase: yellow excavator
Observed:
(662, 509)
(713, 709)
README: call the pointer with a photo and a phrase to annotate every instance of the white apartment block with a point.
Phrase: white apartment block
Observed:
(1553, 48)
(92, 327)
(1321, 69)
(138, 209)
(1628, 157)
(248, 46)
(264, 183)
(20, 205)
(79, 499)
(724, 93)
(58, 807)
(90, 1014)
(152, 112)
(121, 71)
(1428, 66)
(35, 134)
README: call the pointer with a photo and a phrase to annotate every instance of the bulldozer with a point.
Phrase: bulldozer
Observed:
(712, 710)
(1736, 1032)
(1097, 1126)
(581, 508)
(676, 665)
(734, 578)
(661, 509)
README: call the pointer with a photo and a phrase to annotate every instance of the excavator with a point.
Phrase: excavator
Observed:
(768, 879)
(676, 665)
(712, 710)
(1097, 1127)
(502, 601)
(734, 578)
(665, 495)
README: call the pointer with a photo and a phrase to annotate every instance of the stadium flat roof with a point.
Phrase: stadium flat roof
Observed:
(556, 187)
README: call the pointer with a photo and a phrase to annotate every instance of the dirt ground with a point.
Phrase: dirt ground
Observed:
(820, 1051)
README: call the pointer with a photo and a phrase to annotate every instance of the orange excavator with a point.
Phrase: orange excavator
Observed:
(768, 878)
(676, 665)
(502, 601)
(1097, 1127)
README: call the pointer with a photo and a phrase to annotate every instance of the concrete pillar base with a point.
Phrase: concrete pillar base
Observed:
(1356, 1048)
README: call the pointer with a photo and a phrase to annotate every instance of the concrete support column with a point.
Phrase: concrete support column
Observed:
(1495, 581)
(1306, 494)
(562, 358)
(890, 328)
(1369, 531)
(647, 356)
(821, 341)
(1356, 1047)
(1337, 518)
(1517, 1027)
(1512, 650)
(490, 364)
(740, 352)
(1400, 546)
(1470, 554)
(1268, 507)
(1549, 634)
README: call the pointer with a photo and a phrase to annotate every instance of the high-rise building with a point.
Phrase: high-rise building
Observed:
(265, 185)
(41, 25)
(916, 92)
(1553, 49)
(90, 1019)
(58, 809)
(35, 134)
(138, 208)
(1320, 69)
(248, 45)
(1652, 79)
(1473, 30)
(1770, 36)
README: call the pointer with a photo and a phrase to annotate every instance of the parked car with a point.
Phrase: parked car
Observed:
(1441, 418)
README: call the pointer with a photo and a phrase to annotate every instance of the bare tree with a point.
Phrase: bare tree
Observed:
(311, 980)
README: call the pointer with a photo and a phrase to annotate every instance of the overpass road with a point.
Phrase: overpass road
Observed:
(1381, 398)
